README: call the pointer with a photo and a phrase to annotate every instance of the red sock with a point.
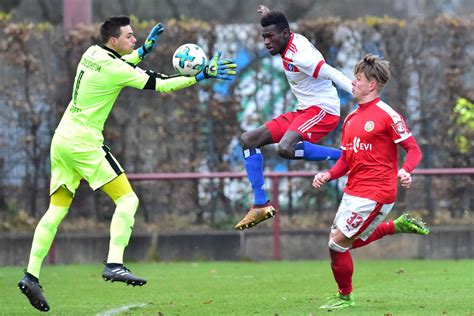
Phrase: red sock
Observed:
(342, 268)
(384, 229)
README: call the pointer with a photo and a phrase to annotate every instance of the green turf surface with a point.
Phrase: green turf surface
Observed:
(245, 288)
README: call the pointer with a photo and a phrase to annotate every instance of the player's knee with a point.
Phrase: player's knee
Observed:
(334, 246)
(246, 140)
(53, 216)
(128, 203)
(285, 151)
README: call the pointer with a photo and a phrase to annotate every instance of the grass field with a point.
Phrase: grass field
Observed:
(246, 288)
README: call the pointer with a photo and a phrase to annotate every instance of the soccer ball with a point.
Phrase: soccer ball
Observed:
(189, 59)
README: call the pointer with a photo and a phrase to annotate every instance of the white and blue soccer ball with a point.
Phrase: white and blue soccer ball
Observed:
(189, 59)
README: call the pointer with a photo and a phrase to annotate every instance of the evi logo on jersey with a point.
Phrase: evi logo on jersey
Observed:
(358, 145)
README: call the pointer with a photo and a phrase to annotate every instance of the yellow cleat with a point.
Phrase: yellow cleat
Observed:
(256, 215)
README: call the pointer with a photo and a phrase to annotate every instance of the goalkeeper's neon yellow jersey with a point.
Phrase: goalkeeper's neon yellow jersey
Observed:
(101, 75)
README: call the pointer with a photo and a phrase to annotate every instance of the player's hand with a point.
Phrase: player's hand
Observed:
(151, 40)
(218, 69)
(320, 179)
(262, 10)
(405, 178)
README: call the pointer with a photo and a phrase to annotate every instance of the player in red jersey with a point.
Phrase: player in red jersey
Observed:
(317, 113)
(370, 138)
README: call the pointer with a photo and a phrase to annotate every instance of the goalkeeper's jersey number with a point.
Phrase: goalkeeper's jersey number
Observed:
(76, 88)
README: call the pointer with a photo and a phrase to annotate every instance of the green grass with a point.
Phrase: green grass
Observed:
(442, 287)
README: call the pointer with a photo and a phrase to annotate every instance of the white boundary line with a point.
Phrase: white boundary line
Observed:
(116, 311)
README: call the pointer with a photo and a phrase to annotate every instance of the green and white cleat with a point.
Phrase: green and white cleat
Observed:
(410, 224)
(339, 301)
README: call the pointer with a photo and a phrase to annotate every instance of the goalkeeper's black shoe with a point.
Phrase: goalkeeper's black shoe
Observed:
(30, 286)
(115, 272)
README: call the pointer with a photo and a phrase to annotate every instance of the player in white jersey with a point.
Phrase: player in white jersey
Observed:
(317, 113)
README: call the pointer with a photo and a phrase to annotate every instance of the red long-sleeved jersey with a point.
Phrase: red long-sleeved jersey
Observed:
(370, 137)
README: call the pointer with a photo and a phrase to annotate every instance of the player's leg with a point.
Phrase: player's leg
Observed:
(342, 265)
(123, 220)
(342, 268)
(405, 224)
(312, 125)
(287, 144)
(312, 152)
(63, 184)
(251, 143)
(261, 208)
(43, 238)
(292, 146)
(47, 227)
(102, 171)
(356, 217)
(384, 229)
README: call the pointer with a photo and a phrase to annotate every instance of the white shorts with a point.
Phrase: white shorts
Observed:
(358, 217)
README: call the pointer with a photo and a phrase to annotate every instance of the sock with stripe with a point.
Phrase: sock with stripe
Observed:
(308, 151)
(384, 229)
(254, 166)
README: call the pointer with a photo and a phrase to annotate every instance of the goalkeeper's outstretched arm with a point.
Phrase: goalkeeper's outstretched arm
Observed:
(216, 69)
(163, 83)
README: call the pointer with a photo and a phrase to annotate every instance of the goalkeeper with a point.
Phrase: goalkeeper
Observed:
(78, 150)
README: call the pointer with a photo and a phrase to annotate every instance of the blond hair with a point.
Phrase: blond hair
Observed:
(374, 68)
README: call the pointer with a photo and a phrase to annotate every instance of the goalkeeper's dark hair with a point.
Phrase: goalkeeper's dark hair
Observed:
(277, 18)
(111, 27)
(374, 68)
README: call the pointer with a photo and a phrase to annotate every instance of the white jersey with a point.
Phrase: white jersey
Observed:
(303, 64)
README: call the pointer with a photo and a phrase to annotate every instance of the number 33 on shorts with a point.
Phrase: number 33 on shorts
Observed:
(358, 217)
(355, 220)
